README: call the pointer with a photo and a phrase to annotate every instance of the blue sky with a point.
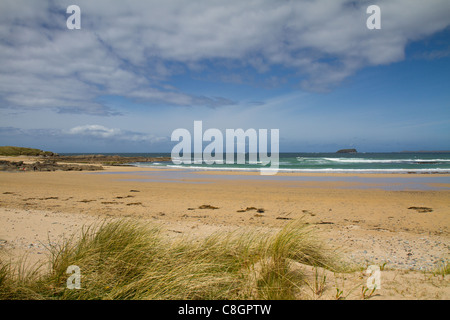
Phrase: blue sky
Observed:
(137, 70)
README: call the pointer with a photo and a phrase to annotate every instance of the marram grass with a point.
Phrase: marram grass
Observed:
(130, 260)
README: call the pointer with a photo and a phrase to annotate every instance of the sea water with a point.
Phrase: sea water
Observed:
(328, 162)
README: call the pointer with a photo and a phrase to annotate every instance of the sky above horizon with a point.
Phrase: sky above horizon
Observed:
(138, 70)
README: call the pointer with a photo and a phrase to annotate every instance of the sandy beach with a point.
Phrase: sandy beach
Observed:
(407, 231)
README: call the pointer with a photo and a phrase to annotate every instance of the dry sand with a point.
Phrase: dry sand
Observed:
(367, 225)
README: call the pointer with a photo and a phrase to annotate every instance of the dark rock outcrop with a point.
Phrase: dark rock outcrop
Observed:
(108, 159)
(47, 165)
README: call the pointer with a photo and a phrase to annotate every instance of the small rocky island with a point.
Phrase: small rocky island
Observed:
(347, 151)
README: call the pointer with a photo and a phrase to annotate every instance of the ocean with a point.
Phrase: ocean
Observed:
(418, 162)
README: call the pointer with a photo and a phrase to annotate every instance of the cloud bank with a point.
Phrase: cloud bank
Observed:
(133, 49)
(102, 132)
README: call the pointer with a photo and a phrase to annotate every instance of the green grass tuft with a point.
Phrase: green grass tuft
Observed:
(129, 260)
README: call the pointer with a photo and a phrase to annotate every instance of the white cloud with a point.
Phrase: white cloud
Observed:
(95, 130)
(133, 48)
(102, 132)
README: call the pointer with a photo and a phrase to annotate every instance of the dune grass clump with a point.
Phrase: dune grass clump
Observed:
(19, 280)
(129, 260)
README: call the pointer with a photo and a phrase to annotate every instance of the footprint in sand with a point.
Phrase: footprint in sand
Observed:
(309, 212)
(134, 204)
(128, 196)
(49, 198)
(259, 210)
(207, 206)
(421, 209)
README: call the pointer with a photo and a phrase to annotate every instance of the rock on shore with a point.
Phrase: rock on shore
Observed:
(108, 159)
(47, 165)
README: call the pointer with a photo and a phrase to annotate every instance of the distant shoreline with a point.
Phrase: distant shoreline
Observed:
(423, 151)
(289, 163)
(12, 151)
